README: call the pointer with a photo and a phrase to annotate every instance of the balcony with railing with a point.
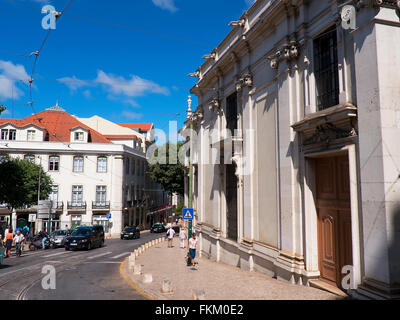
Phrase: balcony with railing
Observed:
(76, 205)
(100, 205)
(58, 206)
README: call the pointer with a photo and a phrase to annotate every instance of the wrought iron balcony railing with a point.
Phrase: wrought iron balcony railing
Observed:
(101, 205)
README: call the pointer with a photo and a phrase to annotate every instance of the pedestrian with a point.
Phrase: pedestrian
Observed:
(19, 241)
(8, 240)
(182, 237)
(193, 248)
(170, 235)
(44, 235)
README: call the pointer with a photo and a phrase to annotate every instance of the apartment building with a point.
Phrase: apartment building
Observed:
(98, 169)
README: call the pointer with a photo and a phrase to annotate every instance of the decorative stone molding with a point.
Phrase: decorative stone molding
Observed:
(215, 106)
(245, 81)
(288, 52)
(329, 132)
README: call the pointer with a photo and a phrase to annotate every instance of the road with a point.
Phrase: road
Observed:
(80, 275)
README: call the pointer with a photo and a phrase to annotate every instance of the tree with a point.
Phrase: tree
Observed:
(19, 183)
(170, 176)
(2, 108)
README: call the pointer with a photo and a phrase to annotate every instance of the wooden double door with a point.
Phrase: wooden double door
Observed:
(334, 217)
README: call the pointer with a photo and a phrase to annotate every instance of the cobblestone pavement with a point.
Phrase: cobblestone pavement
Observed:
(217, 280)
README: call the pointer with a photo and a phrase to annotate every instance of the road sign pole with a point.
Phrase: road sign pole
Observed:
(190, 204)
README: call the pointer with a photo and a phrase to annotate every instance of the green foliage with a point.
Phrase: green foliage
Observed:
(19, 183)
(169, 175)
(178, 210)
(2, 108)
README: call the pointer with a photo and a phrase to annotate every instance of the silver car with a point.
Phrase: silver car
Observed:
(57, 238)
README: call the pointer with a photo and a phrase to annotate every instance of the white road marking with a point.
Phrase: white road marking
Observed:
(30, 267)
(121, 255)
(103, 262)
(55, 254)
(100, 255)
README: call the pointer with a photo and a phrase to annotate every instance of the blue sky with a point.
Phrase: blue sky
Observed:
(123, 60)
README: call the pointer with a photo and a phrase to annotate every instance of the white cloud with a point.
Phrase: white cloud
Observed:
(133, 87)
(9, 74)
(132, 115)
(166, 5)
(73, 83)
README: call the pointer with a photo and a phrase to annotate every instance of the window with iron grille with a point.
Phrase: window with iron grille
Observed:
(326, 69)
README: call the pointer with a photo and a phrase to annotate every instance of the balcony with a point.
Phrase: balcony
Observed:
(100, 205)
(58, 206)
(76, 205)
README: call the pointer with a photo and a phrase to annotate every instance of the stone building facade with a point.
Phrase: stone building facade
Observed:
(309, 113)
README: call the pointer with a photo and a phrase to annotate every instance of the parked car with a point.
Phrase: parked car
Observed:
(57, 238)
(85, 238)
(130, 233)
(158, 228)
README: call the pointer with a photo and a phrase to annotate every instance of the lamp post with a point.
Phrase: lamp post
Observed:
(190, 200)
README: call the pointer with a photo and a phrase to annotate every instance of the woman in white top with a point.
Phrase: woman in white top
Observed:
(193, 247)
(182, 237)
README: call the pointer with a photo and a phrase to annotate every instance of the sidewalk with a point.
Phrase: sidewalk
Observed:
(217, 280)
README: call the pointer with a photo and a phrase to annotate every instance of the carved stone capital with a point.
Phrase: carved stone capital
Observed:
(245, 81)
(215, 106)
(289, 52)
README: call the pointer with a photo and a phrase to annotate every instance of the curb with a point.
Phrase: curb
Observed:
(129, 279)
(133, 284)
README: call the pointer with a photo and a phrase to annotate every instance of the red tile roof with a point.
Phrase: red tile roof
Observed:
(122, 136)
(58, 125)
(140, 126)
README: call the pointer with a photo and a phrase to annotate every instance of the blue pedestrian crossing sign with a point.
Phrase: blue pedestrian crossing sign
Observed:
(109, 216)
(188, 214)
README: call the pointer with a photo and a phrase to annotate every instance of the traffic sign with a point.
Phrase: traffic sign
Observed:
(188, 214)
(108, 216)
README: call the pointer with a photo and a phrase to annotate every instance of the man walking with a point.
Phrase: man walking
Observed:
(170, 235)
(19, 240)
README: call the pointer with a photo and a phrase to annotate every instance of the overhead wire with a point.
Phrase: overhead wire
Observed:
(120, 26)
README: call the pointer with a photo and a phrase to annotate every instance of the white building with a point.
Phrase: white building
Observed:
(98, 168)
(315, 111)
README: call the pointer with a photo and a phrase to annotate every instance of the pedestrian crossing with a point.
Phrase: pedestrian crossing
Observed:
(46, 255)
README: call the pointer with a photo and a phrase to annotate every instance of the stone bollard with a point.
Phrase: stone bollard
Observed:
(137, 269)
(131, 265)
(166, 286)
(139, 251)
(136, 253)
(143, 248)
(198, 294)
(153, 243)
(147, 278)
(146, 246)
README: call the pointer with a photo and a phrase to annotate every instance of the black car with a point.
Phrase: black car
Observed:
(158, 228)
(85, 238)
(130, 233)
